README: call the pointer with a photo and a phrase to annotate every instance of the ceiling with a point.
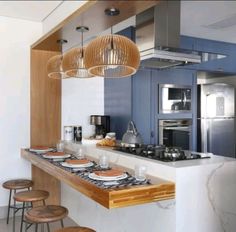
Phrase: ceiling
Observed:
(209, 19)
(205, 19)
(29, 10)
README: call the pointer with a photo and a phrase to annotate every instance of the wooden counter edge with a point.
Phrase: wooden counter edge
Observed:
(109, 198)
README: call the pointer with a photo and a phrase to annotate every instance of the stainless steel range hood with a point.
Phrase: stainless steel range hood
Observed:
(158, 38)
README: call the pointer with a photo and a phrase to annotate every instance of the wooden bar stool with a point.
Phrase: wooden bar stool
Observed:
(28, 197)
(13, 185)
(75, 229)
(46, 214)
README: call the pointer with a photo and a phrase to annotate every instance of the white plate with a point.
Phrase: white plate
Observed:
(65, 164)
(56, 156)
(107, 178)
(41, 151)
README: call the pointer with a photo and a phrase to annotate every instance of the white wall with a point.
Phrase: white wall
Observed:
(60, 13)
(16, 38)
(80, 99)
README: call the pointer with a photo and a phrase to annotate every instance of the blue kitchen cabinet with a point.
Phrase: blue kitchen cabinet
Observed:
(222, 65)
(137, 97)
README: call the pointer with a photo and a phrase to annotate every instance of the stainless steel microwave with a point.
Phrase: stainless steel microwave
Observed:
(175, 98)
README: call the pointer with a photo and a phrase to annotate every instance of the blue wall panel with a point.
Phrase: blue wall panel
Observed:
(141, 103)
(117, 103)
(117, 97)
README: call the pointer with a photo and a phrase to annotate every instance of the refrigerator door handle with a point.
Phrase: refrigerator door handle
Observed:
(205, 135)
(208, 139)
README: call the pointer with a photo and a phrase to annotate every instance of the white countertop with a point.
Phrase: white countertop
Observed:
(165, 170)
(214, 159)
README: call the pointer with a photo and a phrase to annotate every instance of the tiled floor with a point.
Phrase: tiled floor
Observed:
(53, 226)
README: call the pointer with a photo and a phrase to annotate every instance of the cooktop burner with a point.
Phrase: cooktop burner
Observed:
(162, 153)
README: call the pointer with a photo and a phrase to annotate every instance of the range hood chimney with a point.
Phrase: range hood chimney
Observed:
(158, 38)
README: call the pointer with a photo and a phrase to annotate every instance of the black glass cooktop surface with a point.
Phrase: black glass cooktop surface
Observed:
(162, 153)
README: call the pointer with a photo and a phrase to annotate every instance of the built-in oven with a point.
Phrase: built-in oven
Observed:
(176, 133)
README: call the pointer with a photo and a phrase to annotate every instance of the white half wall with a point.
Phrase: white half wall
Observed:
(16, 37)
(60, 13)
(80, 99)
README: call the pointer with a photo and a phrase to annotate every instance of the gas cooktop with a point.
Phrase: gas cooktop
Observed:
(162, 153)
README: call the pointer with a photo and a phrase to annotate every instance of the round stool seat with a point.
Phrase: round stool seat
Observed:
(31, 195)
(76, 229)
(17, 184)
(46, 214)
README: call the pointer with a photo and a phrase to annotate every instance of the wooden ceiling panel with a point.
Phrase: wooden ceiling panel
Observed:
(91, 15)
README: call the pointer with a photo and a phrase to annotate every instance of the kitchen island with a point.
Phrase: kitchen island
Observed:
(204, 201)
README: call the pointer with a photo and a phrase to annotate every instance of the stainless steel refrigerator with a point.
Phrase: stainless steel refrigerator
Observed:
(216, 126)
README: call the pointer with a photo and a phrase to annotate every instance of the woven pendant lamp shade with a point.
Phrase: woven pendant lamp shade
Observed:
(54, 67)
(73, 63)
(112, 56)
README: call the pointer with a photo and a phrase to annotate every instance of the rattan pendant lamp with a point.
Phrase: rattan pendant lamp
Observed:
(73, 60)
(54, 65)
(112, 56)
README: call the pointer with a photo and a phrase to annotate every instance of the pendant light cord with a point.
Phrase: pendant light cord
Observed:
(82, 43)
(112, 42)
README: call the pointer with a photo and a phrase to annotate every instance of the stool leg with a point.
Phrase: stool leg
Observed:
(22, 217)
(42, 227)
(8, 209)
(26, 225)
(36, 227)
(14, 213)
(62, 224)
(48, 227)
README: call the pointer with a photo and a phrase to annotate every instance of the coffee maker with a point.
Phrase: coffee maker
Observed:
(102, 125)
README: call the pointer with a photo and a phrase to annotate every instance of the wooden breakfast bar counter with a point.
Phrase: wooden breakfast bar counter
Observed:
(158, 190)
(170, 203)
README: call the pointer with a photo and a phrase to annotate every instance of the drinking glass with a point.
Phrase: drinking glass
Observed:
(103, 161)
(60, 146)
(80, 153)
(140, 172)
